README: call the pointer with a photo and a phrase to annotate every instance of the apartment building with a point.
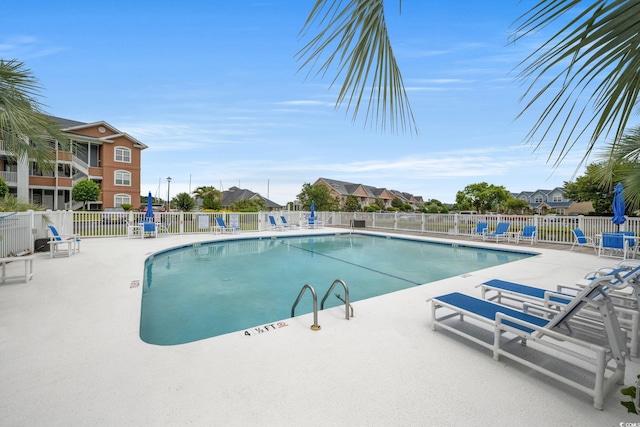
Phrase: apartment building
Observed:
(542, 202)
(366, 194)
(99, 152)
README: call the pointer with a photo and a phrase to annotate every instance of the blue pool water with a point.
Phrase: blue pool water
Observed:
(197, 292)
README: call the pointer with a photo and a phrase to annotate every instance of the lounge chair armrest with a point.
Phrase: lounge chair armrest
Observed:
(561, 288)
(500, 325)
(527, 306)
(65, 236)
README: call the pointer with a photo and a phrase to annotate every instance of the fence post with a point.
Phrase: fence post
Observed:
(456, 228)
(32, 231)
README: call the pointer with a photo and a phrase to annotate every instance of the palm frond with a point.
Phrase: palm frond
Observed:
(620, 162)
(354, 38)
(587, 72)
(25, 130)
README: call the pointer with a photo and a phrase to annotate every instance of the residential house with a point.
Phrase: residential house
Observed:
(99, 152)
(233, 194)
(542, 202)
(366, 194)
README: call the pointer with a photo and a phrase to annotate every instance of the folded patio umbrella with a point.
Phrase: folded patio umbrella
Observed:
(618, 205)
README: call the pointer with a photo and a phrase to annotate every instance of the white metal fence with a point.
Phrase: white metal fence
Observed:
(19, 231)
(550, 229)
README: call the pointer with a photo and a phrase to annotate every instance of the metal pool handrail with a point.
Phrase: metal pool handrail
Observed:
(315, 326)
(347, 306)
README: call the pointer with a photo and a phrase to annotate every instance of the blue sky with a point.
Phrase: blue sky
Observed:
(213, 89)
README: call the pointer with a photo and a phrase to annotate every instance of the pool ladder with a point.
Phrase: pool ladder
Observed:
(347, 306)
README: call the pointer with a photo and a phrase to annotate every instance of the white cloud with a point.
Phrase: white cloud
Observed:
(26, 47)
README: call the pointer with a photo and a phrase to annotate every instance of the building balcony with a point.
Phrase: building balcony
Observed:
(11, 178)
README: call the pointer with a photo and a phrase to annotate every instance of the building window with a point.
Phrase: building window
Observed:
(123, 154)
(123, 178)
(94, 156)
(34, 170)
(64, 170)
(557, 198)
(538, 199)
(121, 199)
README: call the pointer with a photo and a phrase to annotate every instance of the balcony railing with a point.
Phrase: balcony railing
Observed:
(9, 177)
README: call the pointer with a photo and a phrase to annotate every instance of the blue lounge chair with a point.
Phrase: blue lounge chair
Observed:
(500, 233)
(501, 291)
(223, 227)
(274, 224)
(529, 232)
(582, 241)
(71, 241)
(625, 271)
(286, 224)
(553, 335)
(481, 229)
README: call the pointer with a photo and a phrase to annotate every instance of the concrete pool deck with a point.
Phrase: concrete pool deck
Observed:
(70, 355)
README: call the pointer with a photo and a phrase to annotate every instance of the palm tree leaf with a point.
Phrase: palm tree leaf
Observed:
(353, 37)
(25, 131)
(591, 64)
(621, 163)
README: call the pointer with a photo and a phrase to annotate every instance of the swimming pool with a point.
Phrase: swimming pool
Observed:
(208, 289)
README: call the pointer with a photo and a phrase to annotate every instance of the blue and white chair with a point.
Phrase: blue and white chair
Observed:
(529, 232)
(583, 241)
(481, 229)
(551, 337)
(500, 232)
(274, 224)
(149, 228)
(222, 226)
(286, 223)
(550, 302)
(70, 241)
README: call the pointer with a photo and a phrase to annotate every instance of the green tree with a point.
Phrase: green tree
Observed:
(397, 203)
(352, 204)
(25, 130)
(183, 202)
(516, 206)
(4, 188)
(482, 197)
(10, 203)
(590, 188)
(320, 196)
(211, 197)
(433, 206)
(621, 163)
(85, 191)
(248, 205)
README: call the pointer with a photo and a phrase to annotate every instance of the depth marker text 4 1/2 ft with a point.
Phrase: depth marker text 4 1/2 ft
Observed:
(264, 328)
